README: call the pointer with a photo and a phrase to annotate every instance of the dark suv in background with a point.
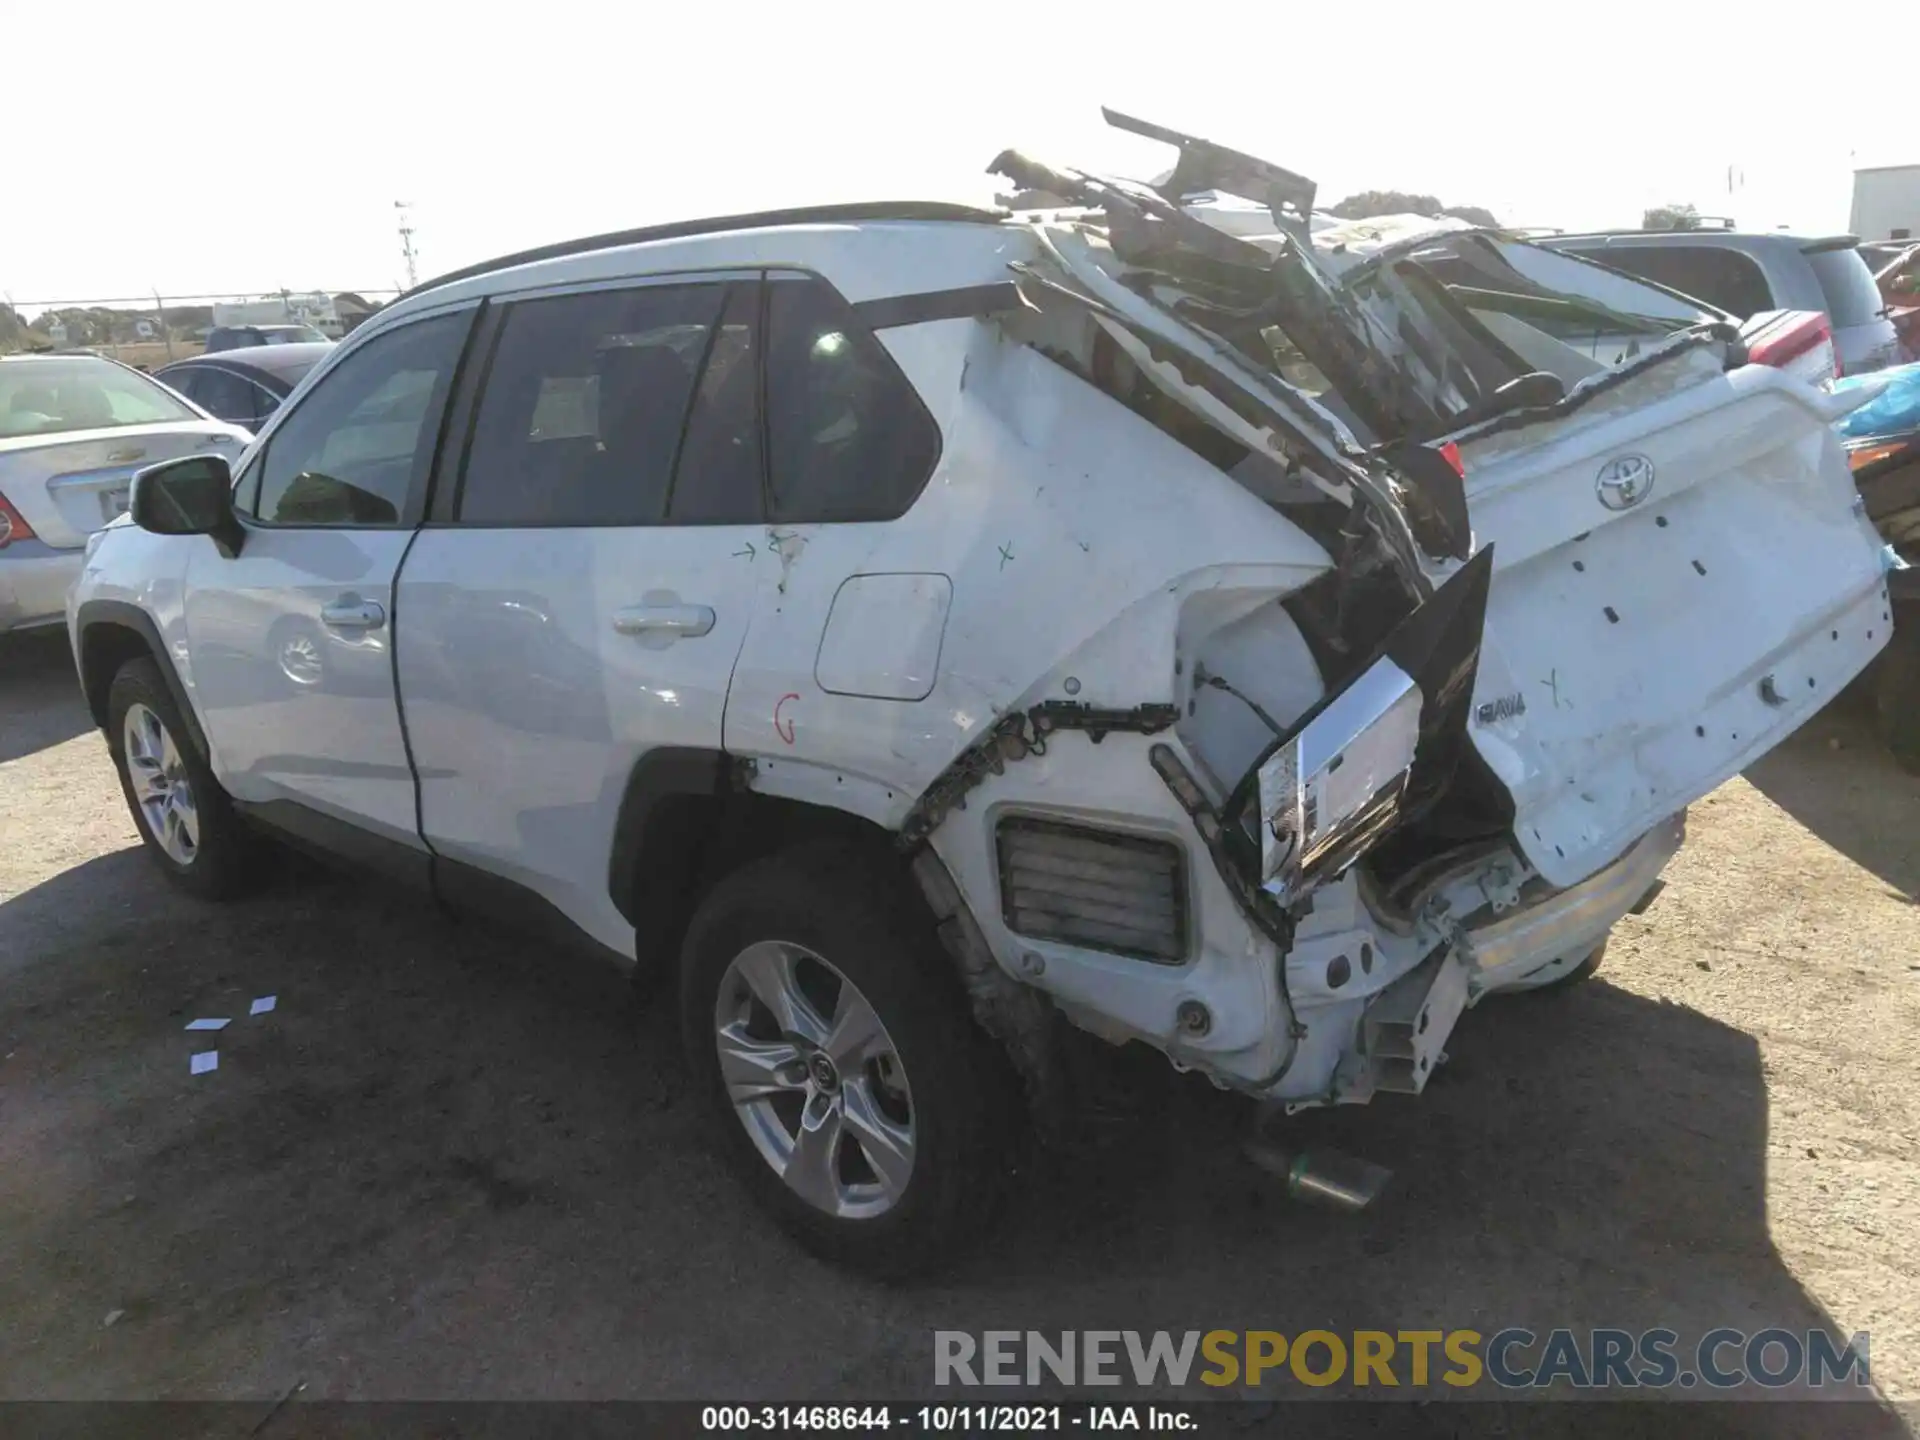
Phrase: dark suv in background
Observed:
(1746, 273)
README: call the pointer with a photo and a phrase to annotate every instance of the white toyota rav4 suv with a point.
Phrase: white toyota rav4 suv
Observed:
(913, 627)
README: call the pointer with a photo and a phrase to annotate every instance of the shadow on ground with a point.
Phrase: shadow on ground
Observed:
(1837, 779)
(449, 1164)
(42, 692)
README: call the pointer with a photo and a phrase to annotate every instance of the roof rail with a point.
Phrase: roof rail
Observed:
(759, 220)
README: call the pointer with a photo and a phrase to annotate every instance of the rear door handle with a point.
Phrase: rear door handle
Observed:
(684, 621)
(353, 613)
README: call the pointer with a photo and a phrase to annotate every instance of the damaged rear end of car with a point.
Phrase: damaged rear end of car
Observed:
(1583, 562)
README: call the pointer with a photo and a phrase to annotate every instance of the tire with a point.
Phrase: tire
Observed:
(1584, 971)
(1897, 700)
(812, 921)
(223, 858)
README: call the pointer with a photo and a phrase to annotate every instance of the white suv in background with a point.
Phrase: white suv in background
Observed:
(911, 626)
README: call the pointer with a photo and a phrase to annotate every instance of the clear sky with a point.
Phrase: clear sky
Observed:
(248, 146)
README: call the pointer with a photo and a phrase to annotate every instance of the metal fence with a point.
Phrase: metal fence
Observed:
(161, 326)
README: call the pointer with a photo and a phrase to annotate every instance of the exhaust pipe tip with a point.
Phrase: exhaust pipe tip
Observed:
(1330, 1179)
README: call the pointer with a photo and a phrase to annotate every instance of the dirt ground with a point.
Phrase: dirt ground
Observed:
(451, 1164)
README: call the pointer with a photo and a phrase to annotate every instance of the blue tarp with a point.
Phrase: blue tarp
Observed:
(1892, 412)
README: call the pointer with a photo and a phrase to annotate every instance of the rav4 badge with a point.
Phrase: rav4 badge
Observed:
(1625, 481)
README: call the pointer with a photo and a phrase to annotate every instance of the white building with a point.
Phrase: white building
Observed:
(1886, 203)
(294, 308)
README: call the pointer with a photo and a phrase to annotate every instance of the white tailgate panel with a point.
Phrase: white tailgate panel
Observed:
(1642, 640)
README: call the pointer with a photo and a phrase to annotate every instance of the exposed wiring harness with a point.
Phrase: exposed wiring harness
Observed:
(1201, 676)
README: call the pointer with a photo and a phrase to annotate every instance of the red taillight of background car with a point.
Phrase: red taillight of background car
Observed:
(13, 525)
(1797, 341)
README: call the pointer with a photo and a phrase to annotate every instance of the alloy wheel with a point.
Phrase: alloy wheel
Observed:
(161, 787)
(816, 1080)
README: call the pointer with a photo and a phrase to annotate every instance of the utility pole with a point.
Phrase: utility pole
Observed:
(407, 252)
(160, 314)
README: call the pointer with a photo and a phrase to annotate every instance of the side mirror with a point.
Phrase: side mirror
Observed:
(189, 496)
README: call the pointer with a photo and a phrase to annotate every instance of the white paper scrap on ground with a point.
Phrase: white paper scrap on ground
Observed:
(204, 1024)
(206, 1060)
(263, 1004)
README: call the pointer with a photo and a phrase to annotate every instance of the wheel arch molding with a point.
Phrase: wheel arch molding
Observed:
(108, 633)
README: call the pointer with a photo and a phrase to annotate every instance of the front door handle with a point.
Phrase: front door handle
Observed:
(353, 613)
(677, 621)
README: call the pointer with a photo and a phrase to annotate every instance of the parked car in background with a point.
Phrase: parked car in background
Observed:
(1746, 273)
(73, 429)
(239, 337)
(925, 631)
(243, 387)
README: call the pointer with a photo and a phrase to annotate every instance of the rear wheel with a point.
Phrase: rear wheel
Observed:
(1585, 970)
(183, 816)
(1561, 974)
(831, 1041)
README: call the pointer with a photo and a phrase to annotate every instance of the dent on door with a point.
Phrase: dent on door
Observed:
(293, 672)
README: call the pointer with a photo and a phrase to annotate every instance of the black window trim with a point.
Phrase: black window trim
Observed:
(414, 508)
(448, 474)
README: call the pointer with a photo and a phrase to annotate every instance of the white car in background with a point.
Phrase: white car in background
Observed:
(73, 429)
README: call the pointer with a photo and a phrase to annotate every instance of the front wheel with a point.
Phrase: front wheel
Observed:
(182, 814)
(831, 1041)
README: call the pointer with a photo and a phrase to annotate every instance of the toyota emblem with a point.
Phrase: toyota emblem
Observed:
(1625, 481)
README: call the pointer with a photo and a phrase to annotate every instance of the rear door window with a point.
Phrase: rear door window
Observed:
(227, 395)
(1846, 282)
(264, 403)
(720, 478)
(847, 434)
(1723, 278)
(184, 380)
(586, 404)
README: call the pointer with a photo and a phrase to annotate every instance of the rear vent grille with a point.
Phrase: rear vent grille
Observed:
(1094, 888)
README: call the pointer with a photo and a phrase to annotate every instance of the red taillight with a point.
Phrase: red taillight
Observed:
(13, 525)
(1450, 453)
(1789, 337)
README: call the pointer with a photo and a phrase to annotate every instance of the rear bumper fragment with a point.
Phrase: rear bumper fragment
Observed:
(1573, 921)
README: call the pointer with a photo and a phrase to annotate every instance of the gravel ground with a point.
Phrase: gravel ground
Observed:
(450, 1164)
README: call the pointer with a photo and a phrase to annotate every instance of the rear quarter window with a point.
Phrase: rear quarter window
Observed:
(848, 436)
(1846, 282)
